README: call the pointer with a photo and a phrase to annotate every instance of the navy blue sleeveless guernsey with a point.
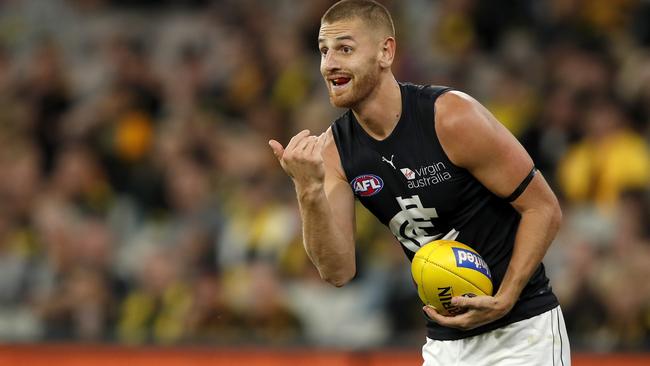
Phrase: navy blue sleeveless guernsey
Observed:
(409, 183)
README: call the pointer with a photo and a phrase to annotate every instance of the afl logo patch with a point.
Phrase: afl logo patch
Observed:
(367, 185)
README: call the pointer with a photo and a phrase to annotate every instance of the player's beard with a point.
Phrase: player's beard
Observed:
(362, 86)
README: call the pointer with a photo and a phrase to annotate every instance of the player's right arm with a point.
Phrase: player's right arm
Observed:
(326, 203)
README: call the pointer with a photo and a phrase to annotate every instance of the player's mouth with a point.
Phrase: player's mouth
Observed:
(339, 82)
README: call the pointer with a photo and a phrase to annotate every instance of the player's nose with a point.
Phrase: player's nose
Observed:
(330, 63)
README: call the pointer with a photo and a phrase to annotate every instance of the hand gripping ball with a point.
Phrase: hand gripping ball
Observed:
(446, 268)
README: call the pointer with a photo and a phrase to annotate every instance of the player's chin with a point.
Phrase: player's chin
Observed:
(335, 102)
(341, 101)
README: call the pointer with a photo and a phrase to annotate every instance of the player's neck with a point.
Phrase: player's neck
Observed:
(379, 113)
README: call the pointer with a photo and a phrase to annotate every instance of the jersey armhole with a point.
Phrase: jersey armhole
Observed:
(432, 94)
(337, 127)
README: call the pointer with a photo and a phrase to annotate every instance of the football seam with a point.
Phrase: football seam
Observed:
(452, 272)
(422, 280)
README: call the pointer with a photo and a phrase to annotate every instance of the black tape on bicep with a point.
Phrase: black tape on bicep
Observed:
(522, 187)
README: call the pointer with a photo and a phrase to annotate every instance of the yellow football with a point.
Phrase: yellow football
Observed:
(446, 268)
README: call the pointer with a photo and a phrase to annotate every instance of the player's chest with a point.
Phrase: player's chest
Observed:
(387, 182)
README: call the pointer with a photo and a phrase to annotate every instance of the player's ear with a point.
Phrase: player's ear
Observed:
(387, 52)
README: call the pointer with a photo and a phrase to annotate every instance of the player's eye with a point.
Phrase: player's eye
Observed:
(346, 49)
(323, 51)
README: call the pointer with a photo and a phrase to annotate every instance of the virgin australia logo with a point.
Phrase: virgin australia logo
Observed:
(408, 173)
(426, 175)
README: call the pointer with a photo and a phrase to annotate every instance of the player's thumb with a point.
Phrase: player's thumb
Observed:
(320, 143)
(469, 302)
(277, 148)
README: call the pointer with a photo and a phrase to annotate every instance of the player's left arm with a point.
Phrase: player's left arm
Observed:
(473, 139)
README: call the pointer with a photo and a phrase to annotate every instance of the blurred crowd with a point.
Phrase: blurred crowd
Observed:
(140, 203)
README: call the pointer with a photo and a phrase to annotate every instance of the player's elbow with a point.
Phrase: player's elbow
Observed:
(555, 215)
(339, 279)
(337, 282)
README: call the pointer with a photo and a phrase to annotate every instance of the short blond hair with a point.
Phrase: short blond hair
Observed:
(369, 11)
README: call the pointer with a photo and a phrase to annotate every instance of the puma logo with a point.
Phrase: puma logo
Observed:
(389, 161)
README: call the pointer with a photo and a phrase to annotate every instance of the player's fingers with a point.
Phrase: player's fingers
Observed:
(474, 302)
(313, 145)
(277, 148)
(303, 145)
(291, 146)
(434, 314)
(458, 321)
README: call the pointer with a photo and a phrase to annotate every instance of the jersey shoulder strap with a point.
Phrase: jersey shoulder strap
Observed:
(342, 131)
(426, 98)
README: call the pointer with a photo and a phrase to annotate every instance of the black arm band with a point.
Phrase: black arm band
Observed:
(522, 186)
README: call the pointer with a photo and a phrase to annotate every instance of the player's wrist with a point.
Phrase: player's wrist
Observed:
(309, 191)
(506, 300)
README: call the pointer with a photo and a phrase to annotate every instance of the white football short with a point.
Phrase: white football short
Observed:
(540, 340)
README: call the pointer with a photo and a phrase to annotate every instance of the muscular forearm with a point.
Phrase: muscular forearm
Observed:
(322, 191)
(329, 249)
(536, 231)
(534, 235)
